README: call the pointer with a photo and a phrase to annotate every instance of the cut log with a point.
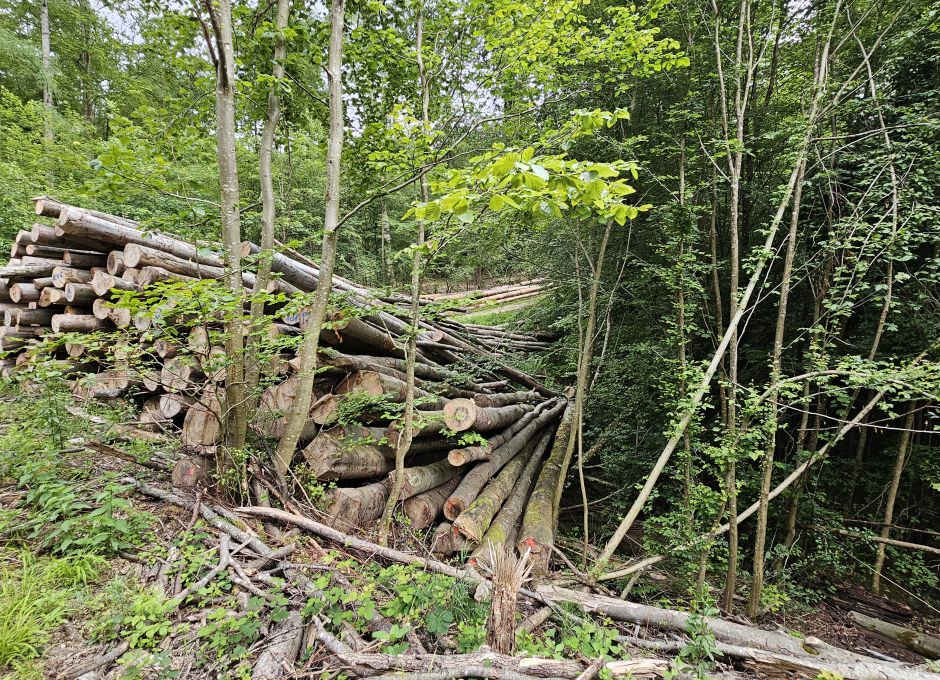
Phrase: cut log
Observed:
(357, 507)
(181, 373)
(541, 514)
(378, 384)
(28, 317)
(477, 518)
(119, 316)
(64, 275)
(100, 307)
(115, 263)
(428, 423)
(51, 296)
(22, 293)
(363, 362)
(423, 508)
(424, 478)
(83, 224)
(505, 526)
(202, 426)
(463, 414)
(81, 260)
(171, 405)
(103, 282)
(165, 349)
(472, 454)
(80, 294)
(331, 458)
(271, 416)
(49, 207)
(78, 323)
(445, 541)
(149, 275)
(214, 364)
(917, 642)
(475, 480)
(507, 399)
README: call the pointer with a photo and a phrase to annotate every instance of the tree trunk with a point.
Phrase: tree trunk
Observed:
(913, 640)
(423, 508)
(767, 467)
(297, 418)
(266, 178)
(463, 414)
(477, 478)
(235, 407)
(888, 518)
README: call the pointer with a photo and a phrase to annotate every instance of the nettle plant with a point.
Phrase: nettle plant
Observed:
(537, 181)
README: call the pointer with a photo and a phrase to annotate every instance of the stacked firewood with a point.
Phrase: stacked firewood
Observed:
(485, 453)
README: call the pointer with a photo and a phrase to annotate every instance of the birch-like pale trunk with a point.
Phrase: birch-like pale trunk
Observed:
(300, 409)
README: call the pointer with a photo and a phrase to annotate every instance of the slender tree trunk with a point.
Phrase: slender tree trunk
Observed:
(265, 152)
(767, 467)
(888, 518)
(300, 409)
(408, 428)
(235, 412)
(46, 85)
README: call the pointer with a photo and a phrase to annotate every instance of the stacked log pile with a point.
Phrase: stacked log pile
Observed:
(475, 300)
(485, 448)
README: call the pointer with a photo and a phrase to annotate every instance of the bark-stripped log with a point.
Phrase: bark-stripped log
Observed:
(463, 414)
(541, 514)
(474, 481)
(422, 509)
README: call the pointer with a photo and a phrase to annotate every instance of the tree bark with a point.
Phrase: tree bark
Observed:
(266, 179)
(767, 466)
(297, 418)
(888, 518)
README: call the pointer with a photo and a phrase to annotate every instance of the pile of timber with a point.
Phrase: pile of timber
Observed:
(473, 300)
(492, 488)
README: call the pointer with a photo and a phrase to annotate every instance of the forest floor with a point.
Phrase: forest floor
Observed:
(92, 570)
